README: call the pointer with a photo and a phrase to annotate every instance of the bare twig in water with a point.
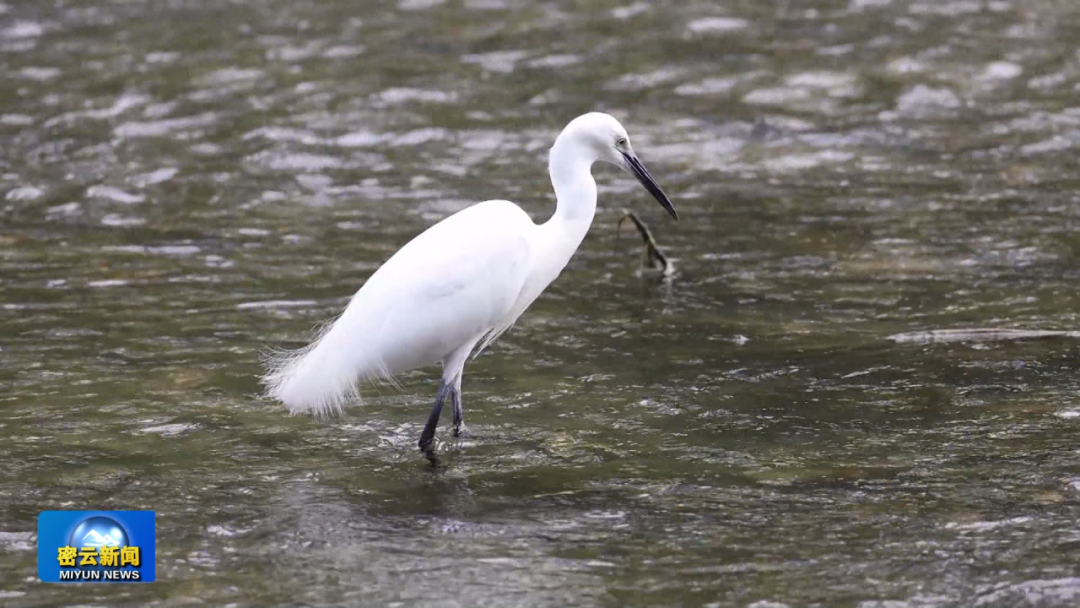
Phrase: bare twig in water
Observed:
(982, 334)
(651, 257)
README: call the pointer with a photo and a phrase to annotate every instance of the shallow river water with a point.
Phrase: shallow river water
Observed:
(185, 184)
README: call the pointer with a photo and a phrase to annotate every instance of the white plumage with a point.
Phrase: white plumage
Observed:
(458, 285)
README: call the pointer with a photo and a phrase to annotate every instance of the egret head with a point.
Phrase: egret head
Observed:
(603, 138)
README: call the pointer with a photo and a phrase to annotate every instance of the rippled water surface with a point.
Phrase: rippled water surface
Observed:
(184, 184)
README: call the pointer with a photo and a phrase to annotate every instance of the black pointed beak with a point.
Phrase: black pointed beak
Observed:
(633, 165)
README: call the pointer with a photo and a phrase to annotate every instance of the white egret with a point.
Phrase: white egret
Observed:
(457, 286)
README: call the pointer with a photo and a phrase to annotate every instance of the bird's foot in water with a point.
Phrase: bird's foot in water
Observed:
(429, 452)
(427, 446)
(461, 432)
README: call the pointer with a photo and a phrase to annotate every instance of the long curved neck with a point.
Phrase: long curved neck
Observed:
(575, 193)
(558, 238)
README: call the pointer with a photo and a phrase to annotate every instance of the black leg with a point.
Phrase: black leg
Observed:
(427, 438)
(459, 413)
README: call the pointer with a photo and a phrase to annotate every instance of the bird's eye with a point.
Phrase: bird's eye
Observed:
(620, 142)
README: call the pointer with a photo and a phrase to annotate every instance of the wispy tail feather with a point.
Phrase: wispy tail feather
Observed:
(323, 376)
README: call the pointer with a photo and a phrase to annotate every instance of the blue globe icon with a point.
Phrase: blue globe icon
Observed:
(97, 532)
